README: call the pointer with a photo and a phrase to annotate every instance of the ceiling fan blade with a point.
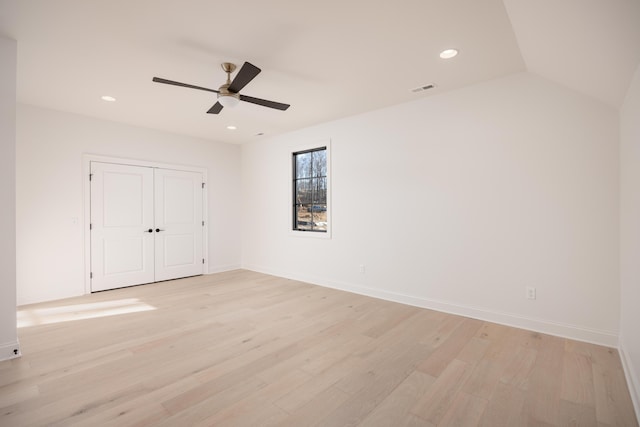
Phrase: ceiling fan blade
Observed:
(264, 102)
(171, 82)
(247, 73)
(217, 107)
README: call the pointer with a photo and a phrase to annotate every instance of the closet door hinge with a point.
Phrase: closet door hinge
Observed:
(203, 260)
(90, 275)
(203, 185)
(203, 223)
(90, 226)
(90, 176)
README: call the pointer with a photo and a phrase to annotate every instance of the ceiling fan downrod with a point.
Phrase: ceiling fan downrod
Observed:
(225, 97)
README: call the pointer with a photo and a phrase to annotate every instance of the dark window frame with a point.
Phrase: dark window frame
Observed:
(296, 204)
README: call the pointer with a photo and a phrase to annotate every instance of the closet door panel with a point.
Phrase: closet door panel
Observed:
(122, 248)
(179, 227)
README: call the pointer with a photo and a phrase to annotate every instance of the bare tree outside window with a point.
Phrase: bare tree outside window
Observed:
(310, 190)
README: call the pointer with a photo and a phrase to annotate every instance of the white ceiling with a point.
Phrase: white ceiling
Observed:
(591, 46)
(328, 59)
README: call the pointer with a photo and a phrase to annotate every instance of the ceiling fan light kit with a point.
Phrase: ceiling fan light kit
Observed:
(229, 93)
(228, 100)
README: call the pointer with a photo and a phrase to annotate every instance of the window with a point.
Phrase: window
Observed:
(310, 187)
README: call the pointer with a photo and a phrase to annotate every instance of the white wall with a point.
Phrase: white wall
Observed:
(8, 333)
(630, 237)
(458, 202)
(50, 148)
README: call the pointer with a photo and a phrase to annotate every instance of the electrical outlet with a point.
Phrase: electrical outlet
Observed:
(362, 268)
(531, 292)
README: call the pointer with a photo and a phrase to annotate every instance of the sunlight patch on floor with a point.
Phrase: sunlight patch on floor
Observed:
(67, 313)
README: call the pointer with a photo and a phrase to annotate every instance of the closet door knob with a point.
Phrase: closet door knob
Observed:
(149, 230)
(158, 230)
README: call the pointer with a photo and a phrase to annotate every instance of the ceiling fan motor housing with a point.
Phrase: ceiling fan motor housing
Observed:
(226, 98)
(224, 91)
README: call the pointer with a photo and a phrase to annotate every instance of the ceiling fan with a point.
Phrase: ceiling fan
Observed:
(229, 93)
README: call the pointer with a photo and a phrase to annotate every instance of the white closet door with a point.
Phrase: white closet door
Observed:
(178, 224)
(122, 248)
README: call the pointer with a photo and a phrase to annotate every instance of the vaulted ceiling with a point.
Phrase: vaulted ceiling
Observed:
(327, 59)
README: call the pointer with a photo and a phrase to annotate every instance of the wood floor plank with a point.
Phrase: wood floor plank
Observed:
(387, 318)
(313, 411)
(186, 413)
(382, 380)
(450, 347)
(604, 356)
(498, 357)
(613, 402)
(317, 385)
(435, 403)
(326, 349)
(442, 328)
(505, 408)
(244, 348)
(577, 415)
(126, 414)
(16, 393)
(493, 331)
(473, 351)
(398, 404)
(483, 379)
(543, 394)
(577, 379)
(518, 371)
(466, 410)
(257, 407)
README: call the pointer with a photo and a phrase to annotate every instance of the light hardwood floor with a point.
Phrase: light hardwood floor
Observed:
(247, 349)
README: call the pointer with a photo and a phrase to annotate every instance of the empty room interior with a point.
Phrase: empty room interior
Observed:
(338, 213)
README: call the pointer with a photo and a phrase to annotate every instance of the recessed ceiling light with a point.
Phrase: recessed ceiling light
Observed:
(108, 98)
(231, 127)
(448, 53)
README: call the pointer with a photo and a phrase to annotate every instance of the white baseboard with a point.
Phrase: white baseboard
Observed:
(594, 336)
(633, 381)
(10, 350)
(223, 268)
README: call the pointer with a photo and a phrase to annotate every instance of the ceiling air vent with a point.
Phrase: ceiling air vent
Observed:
(422, 88)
